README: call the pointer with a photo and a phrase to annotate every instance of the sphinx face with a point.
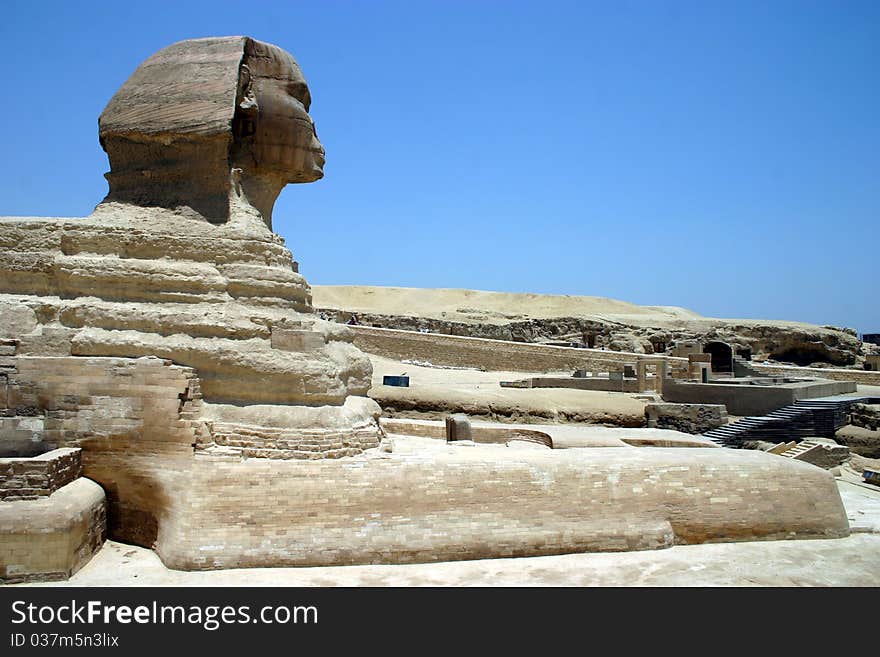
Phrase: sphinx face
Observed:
(273, 119)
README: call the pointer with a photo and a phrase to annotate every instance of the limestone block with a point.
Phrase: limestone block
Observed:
(22, 436)
(824, 455)
(16, 320)
(458, 427)
(296, 339)
(866, 416)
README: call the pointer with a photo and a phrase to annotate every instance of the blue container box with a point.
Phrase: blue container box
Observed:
(399, 381)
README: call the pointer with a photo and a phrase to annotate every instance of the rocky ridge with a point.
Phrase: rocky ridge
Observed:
(588, 321)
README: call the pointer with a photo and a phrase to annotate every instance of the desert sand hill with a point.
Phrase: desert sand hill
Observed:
(503, 307)
(609, 323)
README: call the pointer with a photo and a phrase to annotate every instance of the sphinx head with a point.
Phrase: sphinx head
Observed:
(206, 123)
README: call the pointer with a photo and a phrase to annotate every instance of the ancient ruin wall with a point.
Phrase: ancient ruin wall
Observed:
(52, 537)
(861, 377)
(39, 476)
(499, 355)
(463, 351)
(687, 418)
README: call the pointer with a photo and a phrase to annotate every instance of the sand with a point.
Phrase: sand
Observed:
(435, 391)
(479, 306)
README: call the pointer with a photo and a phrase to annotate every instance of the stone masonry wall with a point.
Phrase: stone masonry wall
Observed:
(443, 503)
(462, 351)
(50, 538)
(689, 418)
(39, 476)
(866, 416)
(115, 409)
(274, 443)
(861, 377)
(139, 424)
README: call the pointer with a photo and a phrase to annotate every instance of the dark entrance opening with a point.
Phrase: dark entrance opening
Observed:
(722, 356)
(745, 352)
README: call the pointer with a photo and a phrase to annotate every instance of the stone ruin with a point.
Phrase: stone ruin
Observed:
(171, 339)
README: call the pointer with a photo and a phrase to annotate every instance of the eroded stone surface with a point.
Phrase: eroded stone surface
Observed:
(179, 262)
(170, 336)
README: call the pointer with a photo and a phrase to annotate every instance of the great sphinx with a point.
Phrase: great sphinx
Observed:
(171, 337)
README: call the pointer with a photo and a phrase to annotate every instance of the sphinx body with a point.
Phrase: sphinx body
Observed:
(172, 338)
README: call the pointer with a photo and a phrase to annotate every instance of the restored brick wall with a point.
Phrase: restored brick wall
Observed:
(488, 501)
(52, 537)
(39, 476)
(137, 420)
(270, 442)
(115, 409)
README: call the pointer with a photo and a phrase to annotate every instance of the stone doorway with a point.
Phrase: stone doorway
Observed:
(722, 356)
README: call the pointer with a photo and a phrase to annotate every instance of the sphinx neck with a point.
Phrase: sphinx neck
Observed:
(258, 191)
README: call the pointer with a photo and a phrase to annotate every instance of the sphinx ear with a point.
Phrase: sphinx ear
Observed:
(247, 101)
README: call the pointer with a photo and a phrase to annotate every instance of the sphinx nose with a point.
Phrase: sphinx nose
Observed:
(316, 144)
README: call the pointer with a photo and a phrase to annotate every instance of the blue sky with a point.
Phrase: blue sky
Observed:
(722, 156)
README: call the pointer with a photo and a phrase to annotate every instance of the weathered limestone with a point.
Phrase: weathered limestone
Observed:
(179, 262)
(229, 117)
(699, 366)
(170, 336)
(688, 418)
(661, 369)
(436, 502)
(818, 452)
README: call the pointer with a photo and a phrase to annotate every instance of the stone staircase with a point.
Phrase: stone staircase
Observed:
(801, 449)
(803, 419)
(743, 368)
(818, 453)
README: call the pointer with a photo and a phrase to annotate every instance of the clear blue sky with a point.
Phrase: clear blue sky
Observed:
(722, 156)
